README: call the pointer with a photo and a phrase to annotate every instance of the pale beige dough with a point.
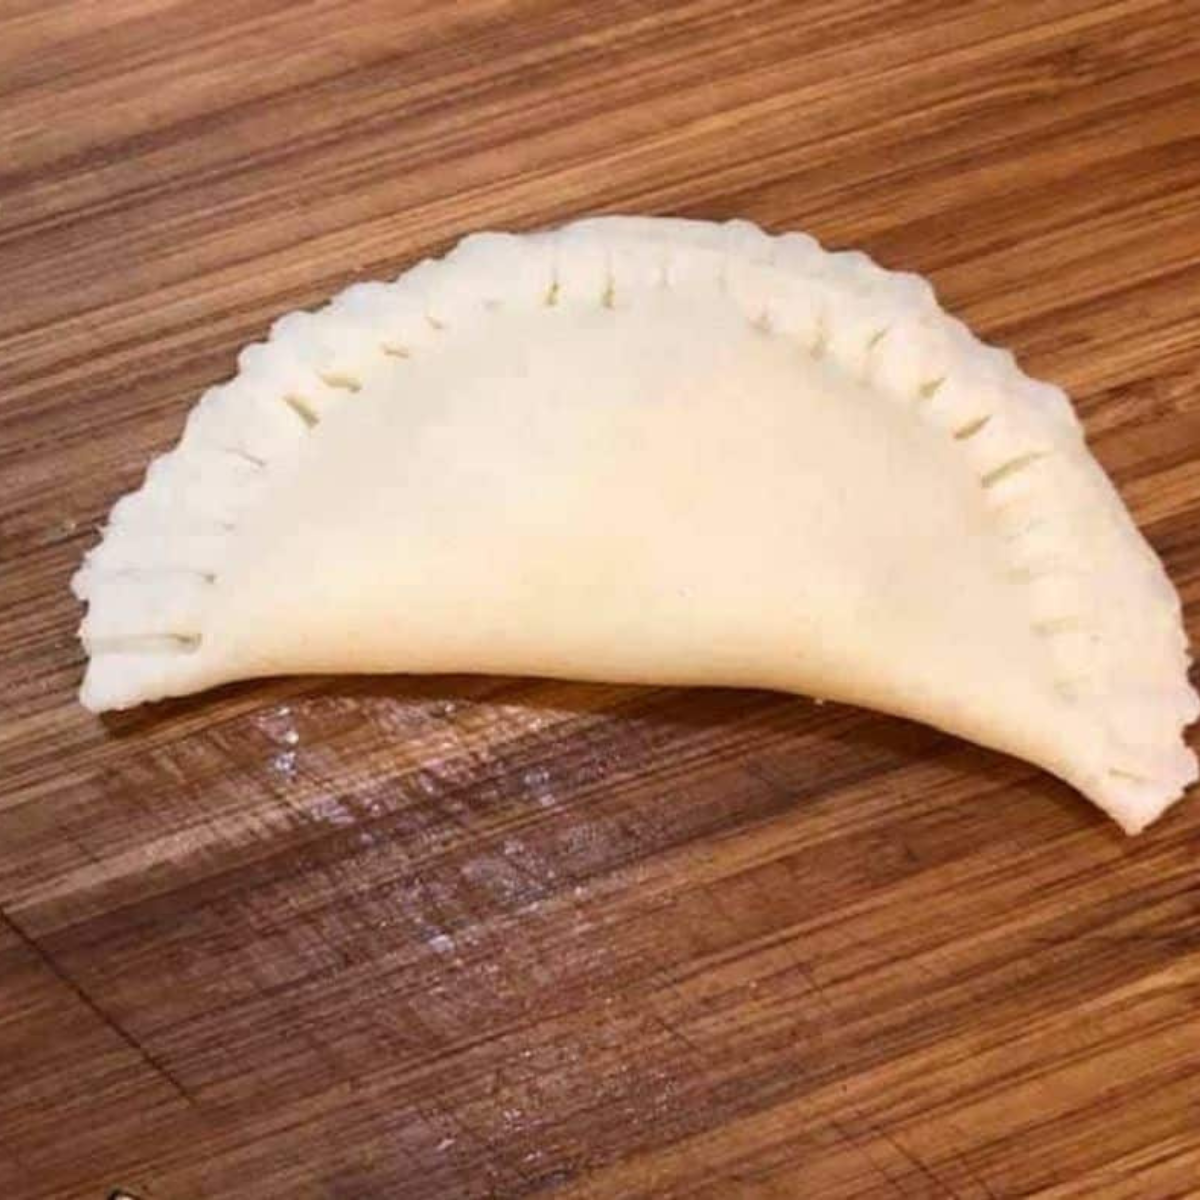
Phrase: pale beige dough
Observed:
(658, 452)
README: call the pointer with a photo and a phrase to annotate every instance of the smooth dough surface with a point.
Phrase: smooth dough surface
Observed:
(658, 452)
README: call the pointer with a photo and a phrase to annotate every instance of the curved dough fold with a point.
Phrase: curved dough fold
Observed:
(657, 451)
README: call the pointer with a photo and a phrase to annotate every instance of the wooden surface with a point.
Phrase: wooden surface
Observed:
(471, 937)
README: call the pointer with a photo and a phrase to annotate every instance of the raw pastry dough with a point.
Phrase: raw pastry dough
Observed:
(661, 451)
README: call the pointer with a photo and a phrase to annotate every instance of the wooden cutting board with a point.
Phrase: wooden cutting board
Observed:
(457, 937)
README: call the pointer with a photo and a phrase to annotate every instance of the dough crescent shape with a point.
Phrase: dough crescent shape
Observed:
(657, 451)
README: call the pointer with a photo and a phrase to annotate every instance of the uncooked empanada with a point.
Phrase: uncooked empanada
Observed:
(666, 452)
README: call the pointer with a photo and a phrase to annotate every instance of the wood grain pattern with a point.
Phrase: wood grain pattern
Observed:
(483, 937)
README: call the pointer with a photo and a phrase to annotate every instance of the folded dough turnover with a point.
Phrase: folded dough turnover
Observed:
(657, 451)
